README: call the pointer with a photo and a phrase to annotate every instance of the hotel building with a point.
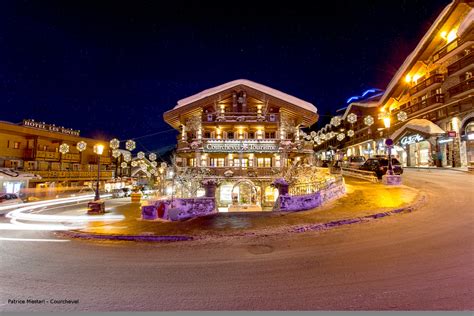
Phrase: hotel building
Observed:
(58, 156)
(242, 132)
(429, 102)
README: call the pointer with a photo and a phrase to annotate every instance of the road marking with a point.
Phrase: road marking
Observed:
(33, 239)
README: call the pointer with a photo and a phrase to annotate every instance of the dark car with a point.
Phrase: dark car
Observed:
(353, 162)
(127, 191)
(380, 166)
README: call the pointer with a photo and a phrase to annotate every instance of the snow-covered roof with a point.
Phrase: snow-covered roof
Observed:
(466, 23)
(418, 49)
(257, 86)
(421, 125)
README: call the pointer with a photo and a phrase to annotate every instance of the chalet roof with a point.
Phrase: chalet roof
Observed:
(257, 86)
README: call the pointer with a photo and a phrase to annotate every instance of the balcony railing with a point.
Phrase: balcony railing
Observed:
(437, 78)
(461, 87)
(47, 155)
(463, 62)
(73, 175)
(251, 172)
(240, 117)
(434, 99)
(446, 49)
(73, 157)
(104, 160)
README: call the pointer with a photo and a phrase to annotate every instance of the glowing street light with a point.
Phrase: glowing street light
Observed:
(98, 149)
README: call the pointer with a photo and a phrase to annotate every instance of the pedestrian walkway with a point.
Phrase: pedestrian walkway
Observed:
(362, 199)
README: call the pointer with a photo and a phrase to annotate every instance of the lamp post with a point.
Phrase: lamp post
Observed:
(388, 143)
(98, 149)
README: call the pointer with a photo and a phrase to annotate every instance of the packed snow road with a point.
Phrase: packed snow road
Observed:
(417, 261)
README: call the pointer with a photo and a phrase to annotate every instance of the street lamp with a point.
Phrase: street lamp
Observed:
(98, 149)
(388, 143)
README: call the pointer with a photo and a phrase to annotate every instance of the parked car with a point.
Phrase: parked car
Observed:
(354, 162)
(9, 199)
(380, 166)
(127, 191)
(118, 193)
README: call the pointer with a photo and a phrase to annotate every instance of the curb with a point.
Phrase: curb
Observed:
(75, 234)
(298, 229)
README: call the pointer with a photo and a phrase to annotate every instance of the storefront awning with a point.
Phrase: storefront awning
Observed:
(423, 126)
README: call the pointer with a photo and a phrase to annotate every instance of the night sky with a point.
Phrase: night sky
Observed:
(112, 68)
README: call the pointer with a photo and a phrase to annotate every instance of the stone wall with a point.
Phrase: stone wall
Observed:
(295, 203)
(179, 209)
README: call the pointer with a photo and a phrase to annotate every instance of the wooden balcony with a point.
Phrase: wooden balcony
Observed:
(229, 172)
(446, 49)
(240, 117)
(72, 175)
(434, 99)
(104, 160)
(428, 82)
(47, 155)
(462, 63)
(71, 157)
(461, 87)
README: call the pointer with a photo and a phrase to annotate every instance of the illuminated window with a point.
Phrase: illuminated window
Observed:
(16, 145)
(264, 162)
(217, 162)
(192, 162)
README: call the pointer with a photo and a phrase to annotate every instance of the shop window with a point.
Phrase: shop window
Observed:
(207, 134)
(230, 135)
(251, 135)
(270, 135)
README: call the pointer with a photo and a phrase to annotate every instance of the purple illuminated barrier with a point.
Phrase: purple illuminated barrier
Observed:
(295, 203)
(179, 209)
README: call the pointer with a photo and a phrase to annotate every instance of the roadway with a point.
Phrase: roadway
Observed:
(417, 261)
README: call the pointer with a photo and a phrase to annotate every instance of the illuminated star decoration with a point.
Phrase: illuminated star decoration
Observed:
(340, 136)
(352, 118)
(130, 145)
(134, 163)
(115, 153)
(141, 155)
(368, 120)
(124, 165)
(64, 148)
(81, 146)
(127, 156)
(114, 144)
(350, 133)
(402, 116)
(336, 121)
(152, 157)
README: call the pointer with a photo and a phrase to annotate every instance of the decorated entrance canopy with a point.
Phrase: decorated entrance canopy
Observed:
(423, 127)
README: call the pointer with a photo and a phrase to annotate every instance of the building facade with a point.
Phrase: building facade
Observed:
(428, 106)
(243, 134)
(58, 157)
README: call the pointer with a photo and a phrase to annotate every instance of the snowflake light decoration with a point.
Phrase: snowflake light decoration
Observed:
(154, 163)
(140, 155)
(114, 144)
(336, 121)
(163, 165)
(322, 136)
(313, 133)
(143, 166)
(352, 118)
(368, 120)
(127, 157)
(130, 145)
(116, 153)
(350, 133)
(153, 171)
(124, 165)
(331, 135)
(81, 146)
(340, 136)
(402, 116)
(64, 148)
(134, 163)
(152, 156)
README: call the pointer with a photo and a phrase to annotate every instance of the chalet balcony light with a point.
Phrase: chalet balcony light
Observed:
(99, 149)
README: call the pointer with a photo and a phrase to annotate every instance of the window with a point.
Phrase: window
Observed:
(264, 162)
(251, 135)
(230, 135)
(269, 134)
(192, 162)
(245, 162)
(217, 162)
(45, 147)
(207, 134)
(16, 145)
